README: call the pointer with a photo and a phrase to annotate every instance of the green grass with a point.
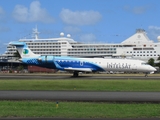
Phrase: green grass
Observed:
(77, 110)
(90, 85)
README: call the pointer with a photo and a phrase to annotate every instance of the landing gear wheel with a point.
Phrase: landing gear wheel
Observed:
(75, 74)
(146, 75)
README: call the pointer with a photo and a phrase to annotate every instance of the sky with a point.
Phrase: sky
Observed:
(88, 21)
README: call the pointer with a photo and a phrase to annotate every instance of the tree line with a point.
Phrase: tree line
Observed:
(152, 62)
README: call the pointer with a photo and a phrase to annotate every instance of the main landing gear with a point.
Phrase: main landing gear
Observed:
(75, 74)
(146, 75)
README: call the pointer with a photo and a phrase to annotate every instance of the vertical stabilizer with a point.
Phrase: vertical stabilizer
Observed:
(23, 50)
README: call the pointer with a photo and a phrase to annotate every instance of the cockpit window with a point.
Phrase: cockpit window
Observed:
(144, 63)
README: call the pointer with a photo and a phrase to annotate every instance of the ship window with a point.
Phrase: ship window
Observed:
(130, 51)
(154, 51)
(137, 48)
(150, 51)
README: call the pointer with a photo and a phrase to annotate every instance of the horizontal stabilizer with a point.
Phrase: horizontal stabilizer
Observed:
(18, 44)
(78, 69)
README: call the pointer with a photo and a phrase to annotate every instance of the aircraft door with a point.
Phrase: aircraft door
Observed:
(47, 59)
(50, 59)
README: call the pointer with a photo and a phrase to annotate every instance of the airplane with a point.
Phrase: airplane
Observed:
(76, 65)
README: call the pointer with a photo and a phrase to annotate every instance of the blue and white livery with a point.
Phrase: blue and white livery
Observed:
(77, 65)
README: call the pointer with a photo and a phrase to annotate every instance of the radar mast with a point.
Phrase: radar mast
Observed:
(35, 33)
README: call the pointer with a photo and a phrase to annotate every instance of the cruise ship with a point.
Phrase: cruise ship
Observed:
(138, 46)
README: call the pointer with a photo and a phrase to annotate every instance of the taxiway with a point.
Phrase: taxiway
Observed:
(91, 96)
(83, 76)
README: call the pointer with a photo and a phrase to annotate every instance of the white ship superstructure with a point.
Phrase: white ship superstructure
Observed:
(138, 46)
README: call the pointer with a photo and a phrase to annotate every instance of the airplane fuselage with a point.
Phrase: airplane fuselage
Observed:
(89, 64)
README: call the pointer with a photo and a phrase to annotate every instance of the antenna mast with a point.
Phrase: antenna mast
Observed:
(35, 33)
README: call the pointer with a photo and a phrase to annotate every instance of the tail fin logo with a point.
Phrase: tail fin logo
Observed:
(25, 51)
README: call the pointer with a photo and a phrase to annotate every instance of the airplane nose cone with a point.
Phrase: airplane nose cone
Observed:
(154, 69)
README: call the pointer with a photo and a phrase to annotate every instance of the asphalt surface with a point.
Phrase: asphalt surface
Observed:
(81, 96)
(81, 76)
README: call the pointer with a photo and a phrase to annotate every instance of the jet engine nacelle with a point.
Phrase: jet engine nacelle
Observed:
(46, 59)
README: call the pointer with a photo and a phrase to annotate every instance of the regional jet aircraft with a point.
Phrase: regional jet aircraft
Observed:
(77, 65)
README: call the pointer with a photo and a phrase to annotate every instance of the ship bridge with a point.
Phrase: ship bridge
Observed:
(139, 38)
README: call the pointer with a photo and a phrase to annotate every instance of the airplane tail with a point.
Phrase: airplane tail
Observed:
(23, 49)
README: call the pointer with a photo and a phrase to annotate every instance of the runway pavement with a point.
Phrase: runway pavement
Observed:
(82, 76)
(91, 96)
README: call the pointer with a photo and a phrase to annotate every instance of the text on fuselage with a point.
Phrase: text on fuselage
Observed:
(119, 65)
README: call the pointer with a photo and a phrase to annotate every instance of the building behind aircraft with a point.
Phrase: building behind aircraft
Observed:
(138, 46)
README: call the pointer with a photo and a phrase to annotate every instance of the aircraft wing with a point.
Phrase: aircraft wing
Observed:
(78, 69)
